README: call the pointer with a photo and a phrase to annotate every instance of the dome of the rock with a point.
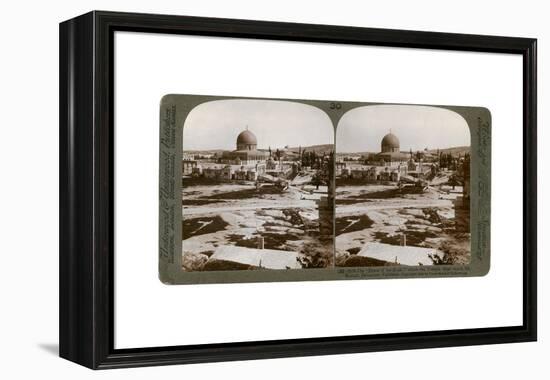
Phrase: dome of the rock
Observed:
(246, 141)
(390, 143)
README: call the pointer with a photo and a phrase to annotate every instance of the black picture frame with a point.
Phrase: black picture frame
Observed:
(86, 258)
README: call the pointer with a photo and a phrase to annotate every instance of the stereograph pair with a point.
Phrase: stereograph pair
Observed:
(258, 189)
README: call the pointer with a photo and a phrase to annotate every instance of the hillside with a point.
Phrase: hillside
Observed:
(355, 153)
(324, 148)
(205, 152)
(454, 150)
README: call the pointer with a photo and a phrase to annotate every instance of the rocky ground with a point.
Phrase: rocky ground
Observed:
(238, 214)
(382, 213)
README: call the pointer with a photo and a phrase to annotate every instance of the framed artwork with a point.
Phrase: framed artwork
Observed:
(235, 189)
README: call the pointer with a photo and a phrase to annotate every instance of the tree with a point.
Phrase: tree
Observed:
(463, 171)
(316, 180)
(304, 158)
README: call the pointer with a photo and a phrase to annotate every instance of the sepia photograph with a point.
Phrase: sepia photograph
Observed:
(256, 186)
(262, 188)
(402, 187)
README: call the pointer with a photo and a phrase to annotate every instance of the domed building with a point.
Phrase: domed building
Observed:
(247, 152)
(390, 155)
(390, 143)
(246, 140)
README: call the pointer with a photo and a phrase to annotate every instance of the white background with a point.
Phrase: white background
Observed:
(149, 66)
(30, 187)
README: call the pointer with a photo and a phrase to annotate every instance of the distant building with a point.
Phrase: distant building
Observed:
(187, 166)
(247, 152)
(374, 173)
(340, 167)
(389, 155)
(187, 156)
(390, 164)
(386, 166)
(225, 172)
(188, 163)
(245, 163)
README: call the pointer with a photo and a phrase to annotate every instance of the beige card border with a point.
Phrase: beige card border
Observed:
(175, 108)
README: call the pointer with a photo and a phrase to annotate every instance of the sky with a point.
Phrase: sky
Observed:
(216, 124)
(417, 127)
